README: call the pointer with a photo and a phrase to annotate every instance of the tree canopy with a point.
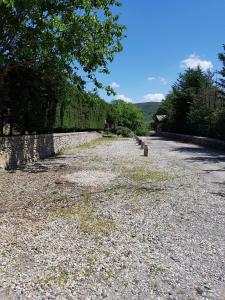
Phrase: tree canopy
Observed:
(194, 105)
(222, 73)
(49, 50)
(128, 115)
(73, 35)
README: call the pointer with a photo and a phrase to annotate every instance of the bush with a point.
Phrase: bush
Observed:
(124, 131)
(142, 130)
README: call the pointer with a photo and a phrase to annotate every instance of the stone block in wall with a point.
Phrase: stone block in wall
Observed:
(18, 150)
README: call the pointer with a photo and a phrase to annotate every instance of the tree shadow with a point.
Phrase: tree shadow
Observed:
(202, 154)
(27, 148)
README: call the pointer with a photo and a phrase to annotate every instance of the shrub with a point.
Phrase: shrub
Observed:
(124, 131)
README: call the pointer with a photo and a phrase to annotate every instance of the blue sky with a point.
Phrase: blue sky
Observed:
(164, 36)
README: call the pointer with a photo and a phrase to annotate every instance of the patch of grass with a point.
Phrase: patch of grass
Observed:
(95, 143)
(87, 273)
(87, 146)
(156, 270)
(142, 174)
(96, 158)
(89, 222)
(63, 278)
(108, 275)
(137, 194)
(67, 213)
(115, 190)
(58, 277)
(132, 193)
(45, 280)
(86, 213)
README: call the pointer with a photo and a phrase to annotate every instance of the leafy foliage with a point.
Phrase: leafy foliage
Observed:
(43, 101)
(124, 131)
(71, 34)
(222, 73)
(195, 106)
(49, 50)
(127, 115)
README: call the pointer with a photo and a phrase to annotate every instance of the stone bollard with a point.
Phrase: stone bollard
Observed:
(145, 150)
(139, 142)
(142, 145)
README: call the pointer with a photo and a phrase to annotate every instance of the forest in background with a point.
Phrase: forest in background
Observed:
(196, 104)
(149, 109)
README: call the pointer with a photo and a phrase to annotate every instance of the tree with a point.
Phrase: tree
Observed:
(73, 35)
(189, 105)
(222, 73)
(128, 115)
(52, 47)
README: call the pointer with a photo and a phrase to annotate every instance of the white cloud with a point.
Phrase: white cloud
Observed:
(163, 80)
(157, 97)
(194, 61)
(124, 98)
(114, 85)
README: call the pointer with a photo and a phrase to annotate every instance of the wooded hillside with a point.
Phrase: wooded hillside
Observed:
(149, 109)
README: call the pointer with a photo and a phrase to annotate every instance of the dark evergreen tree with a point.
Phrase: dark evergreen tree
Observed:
(222, 73)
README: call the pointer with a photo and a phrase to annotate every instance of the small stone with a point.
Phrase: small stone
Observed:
(104, 294)
(59, 181)
(199, 290)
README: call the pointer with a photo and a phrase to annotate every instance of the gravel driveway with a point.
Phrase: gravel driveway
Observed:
(104, 222)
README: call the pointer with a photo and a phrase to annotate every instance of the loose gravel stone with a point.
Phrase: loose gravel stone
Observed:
(90, 178)
(105, 222)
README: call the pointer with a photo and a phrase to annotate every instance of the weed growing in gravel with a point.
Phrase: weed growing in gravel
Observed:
(65, 212)
(86, 213)
(108, 275)
(63, 278)
(88, 220)
(87, 273)
(60, 278)
(142, 174)
(95, 143)
(96, 158)
(86, 146)
(155, 270)
(91, 224)
(136, 195)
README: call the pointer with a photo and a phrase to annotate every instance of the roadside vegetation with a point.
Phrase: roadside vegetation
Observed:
(196, 104)
(50, 56)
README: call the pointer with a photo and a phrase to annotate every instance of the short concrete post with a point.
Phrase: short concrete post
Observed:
(146, 150)
(139, 142)
(142, 145)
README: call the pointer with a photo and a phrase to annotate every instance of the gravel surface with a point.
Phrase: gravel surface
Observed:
(105, 222)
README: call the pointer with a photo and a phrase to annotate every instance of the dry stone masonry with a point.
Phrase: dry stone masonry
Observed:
(18, 150)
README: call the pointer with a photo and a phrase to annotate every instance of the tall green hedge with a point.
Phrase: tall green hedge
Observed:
(40, 101)
(80, 111)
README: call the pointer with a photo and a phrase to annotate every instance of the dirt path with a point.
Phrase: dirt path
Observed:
(103, 222)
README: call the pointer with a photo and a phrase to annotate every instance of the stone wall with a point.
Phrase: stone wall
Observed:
(198, 140)
(18, 150)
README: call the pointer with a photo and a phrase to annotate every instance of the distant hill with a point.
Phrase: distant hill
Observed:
(148, 108)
